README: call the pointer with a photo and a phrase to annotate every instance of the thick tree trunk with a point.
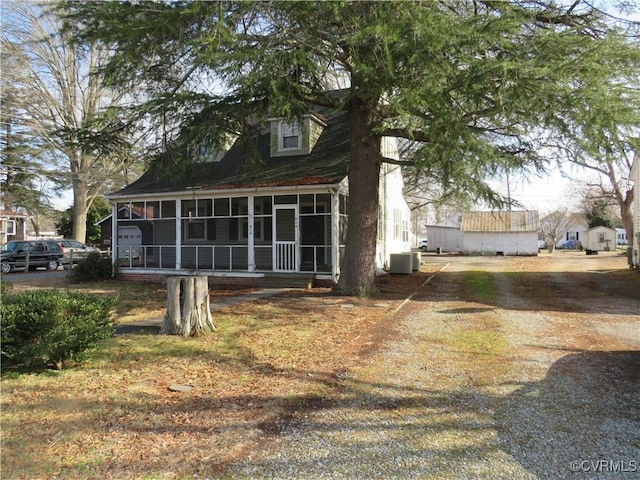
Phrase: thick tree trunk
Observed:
(357, 272)
(188, 310)
(626, 214)
(80, 208)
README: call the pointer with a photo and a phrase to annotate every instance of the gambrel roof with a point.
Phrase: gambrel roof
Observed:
(248, 163)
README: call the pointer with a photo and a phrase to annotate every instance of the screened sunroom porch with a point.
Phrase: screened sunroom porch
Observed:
(290, 231)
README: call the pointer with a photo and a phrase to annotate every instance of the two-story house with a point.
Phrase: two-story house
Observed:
(272, 202)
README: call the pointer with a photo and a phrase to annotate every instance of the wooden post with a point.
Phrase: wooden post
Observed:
(188, 308)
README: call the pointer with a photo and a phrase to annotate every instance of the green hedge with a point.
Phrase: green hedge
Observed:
(45, 328)
(95, 267)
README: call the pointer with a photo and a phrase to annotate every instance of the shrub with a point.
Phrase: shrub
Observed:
(44, 328)
(94, 267)
(5, 288)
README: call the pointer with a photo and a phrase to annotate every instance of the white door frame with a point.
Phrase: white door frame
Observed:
(286, 257)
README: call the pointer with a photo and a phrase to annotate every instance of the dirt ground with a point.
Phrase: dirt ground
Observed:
(561, 314)
(498, 367)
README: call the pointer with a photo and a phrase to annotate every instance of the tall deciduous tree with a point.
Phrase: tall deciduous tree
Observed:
(21, 184)
(99, 209)
(602, 140)
(554, 226)
(63, 117)
(467, 81)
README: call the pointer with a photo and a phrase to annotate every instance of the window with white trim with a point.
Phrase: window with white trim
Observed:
(396, 223)
(11, 227)
(289, 136)
(405, 230)
(195, 230)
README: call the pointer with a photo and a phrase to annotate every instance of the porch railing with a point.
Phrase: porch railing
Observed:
(286, 260)
(226, 257)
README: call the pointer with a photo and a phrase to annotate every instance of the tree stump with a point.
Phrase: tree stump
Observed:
(188, 310)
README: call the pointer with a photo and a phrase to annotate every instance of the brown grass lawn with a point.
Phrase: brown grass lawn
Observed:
(114, 417)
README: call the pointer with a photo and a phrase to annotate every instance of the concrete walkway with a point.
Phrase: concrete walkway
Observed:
(153, 325)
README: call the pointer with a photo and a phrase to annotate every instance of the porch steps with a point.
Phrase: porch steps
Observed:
(286, 280)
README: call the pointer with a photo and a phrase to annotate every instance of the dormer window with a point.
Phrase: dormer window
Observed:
(290, 137)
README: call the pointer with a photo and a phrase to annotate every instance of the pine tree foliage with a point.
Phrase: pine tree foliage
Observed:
(470, 83)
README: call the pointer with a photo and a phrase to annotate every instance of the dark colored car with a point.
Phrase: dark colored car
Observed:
(40, 253)
(72, 249)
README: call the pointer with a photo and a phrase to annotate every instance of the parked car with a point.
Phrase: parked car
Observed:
(41, 253)
(75, 250)
(423, 245)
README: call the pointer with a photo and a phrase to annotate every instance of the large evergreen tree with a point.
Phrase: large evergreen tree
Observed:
(469, 82)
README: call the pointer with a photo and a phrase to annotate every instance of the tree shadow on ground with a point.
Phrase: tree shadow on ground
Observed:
(586, 411)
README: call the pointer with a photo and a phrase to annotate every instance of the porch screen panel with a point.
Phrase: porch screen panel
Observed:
(167, 257)
(168, 209)
(264, 257)
(124, 210)
(221, 207)
(263, 232)
(222, 258)
(285, 225)
(315, 233)
(239, 258)
(263, 205)
(188, 257)
(152, 210)
(164, 232)
(205, 257)
(285, 199)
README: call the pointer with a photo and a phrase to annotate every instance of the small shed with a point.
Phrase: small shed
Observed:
(601, 239)
(446, 236)
(500, 233)
(444, 239)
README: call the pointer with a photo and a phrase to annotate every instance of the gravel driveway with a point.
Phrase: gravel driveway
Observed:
(538, 379)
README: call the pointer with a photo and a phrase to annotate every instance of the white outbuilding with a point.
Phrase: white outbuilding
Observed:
(500, 233)
(600, 239)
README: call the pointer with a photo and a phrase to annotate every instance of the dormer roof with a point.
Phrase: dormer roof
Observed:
(249, 163)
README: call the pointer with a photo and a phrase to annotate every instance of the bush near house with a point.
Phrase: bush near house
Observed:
(44, 328)
(95, 267)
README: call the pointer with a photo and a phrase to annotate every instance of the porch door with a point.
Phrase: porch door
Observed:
(285, 242)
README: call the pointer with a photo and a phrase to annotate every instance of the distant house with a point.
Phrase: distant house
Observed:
(488, 233)
(621, 237)
(502, 232)
(137, 231)
(600, 239)
(635, 241)
(275, 202)
(576, 234)
(13, 226)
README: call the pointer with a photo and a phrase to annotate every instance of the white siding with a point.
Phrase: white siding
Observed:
(601, 239)
(393, 206)
(519, 243)
(447, 239)
(635, 178)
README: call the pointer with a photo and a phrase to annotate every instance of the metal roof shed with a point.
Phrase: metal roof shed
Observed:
(500, 232)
